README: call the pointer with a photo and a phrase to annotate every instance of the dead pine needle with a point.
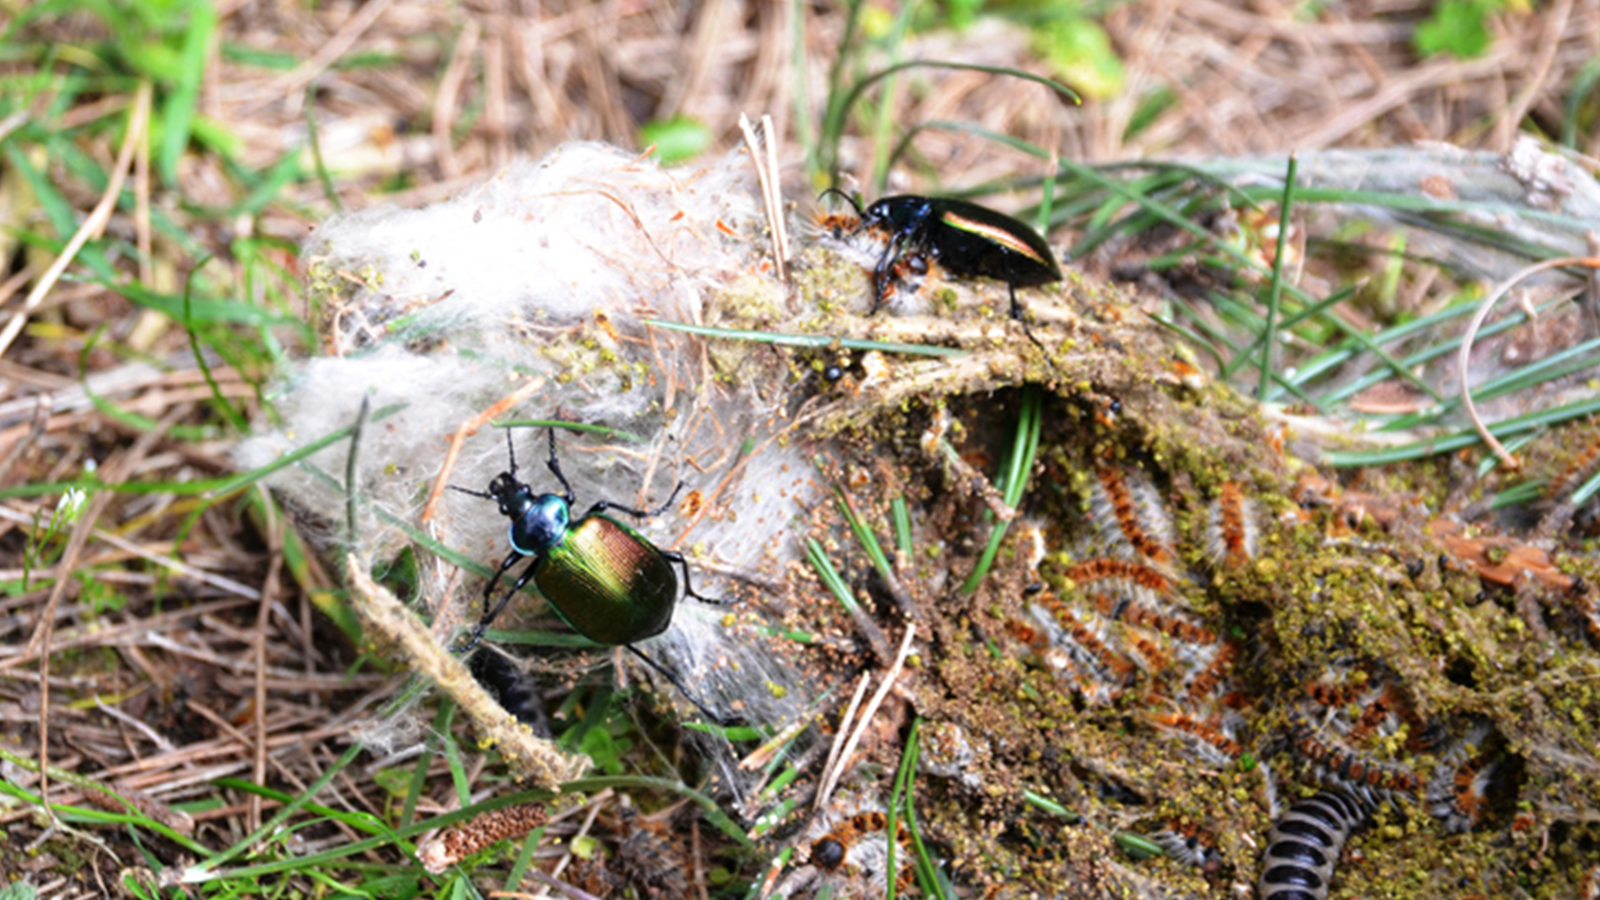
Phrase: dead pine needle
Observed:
(1471, 334)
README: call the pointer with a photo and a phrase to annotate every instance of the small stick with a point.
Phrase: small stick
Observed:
(94, 224)
(936, 447)
(1589, 300)
(545, 764)
(839, 739)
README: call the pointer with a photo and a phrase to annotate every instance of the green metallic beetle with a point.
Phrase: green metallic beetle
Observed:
(603, 578)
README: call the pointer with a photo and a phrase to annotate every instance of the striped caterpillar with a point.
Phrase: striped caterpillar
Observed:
(1130, 515)
(1350, 770)
(1305, 843)
(1455, 793)
(1231, 529)
(1109, 568)
(1578, 470)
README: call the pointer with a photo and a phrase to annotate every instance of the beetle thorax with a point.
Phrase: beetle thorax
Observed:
(906, 215)
(541, 523)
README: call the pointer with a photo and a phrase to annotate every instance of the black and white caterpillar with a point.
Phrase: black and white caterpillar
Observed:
(1305, 844)
(515, 690)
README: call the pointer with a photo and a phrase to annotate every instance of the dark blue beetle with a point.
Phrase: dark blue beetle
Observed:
(965, 238)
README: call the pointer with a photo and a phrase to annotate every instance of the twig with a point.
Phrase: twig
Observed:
(444, 104)
(1548, 42)
(1589, 300)
(1462, 358)
(40, 642)
(269, 592)
(839, 738)
(468, 429)
(289, 87)
(937, 447)
(558, 884)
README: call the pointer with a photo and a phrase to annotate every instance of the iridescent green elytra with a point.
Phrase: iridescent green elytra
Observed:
(613, 585)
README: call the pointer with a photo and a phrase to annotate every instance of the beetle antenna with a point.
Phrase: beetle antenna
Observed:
(470, 491)
(847, 198)
(511, 447)
(555, 469)
(710, 716)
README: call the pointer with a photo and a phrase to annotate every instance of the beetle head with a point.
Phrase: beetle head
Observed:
(513, 496)
(540, 522)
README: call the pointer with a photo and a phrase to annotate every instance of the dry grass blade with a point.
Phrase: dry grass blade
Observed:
(1465, 355)
(94, 225)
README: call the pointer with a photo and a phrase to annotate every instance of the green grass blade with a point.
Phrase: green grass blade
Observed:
(1465, 438)
(220, 402)
(563, 424)
(1175, 219)
(902, 525)
(708, 806)
(831, 579)
(1013, 479)
(864, 535)
(883, 119)
(178, 112)
(836, 115)
(1275, 294)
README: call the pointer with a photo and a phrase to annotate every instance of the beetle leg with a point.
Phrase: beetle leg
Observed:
(881, 274)
(1016, 313)
(489, 615)
(670, 500)
(688, 589)
(605, 505)
(675, 683)
(505, 564)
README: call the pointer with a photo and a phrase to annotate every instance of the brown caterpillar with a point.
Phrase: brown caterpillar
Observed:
(1115, 667)
(1132, 513)
(1141, 616)
(1350, 770)
(1107, 568)
(1456, 793)
(1206, 736)
(1231, 531)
